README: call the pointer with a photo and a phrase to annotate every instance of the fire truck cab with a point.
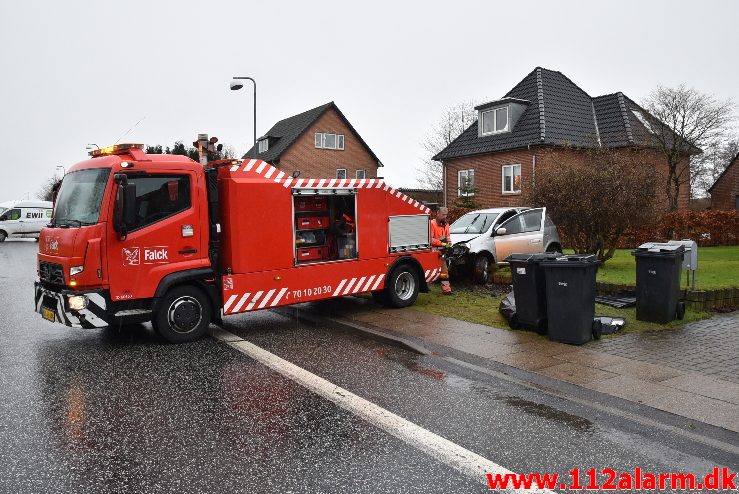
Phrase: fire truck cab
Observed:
(140, 237)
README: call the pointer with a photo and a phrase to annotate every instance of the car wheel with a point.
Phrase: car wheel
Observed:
(3, 236)
(401, 289)
(482, 270)
(184, 315)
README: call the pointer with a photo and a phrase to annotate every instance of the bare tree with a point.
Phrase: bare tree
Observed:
(711, 164)
(46, 191)
(594, 203)
(682, 122)
(455, 120)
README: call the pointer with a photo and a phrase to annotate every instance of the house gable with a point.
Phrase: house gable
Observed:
(725, 191)
(289, 132)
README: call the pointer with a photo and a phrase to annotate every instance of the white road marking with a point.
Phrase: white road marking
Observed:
(443, 450)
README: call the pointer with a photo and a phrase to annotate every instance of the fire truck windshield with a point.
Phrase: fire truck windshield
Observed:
(80, 195)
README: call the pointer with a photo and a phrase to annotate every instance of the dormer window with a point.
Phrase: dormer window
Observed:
(495, 121)
(263, 145)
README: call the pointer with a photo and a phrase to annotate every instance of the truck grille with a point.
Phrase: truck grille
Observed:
(51, 273)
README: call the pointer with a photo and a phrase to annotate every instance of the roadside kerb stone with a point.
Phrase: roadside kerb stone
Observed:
(677, 371)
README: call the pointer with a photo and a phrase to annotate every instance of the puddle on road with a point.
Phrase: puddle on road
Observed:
(411, 362)
(550, 413)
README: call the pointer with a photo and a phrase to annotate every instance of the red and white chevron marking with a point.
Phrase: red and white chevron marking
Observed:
(432, 274)
(267, 171)
(350, 286)
(253, 300)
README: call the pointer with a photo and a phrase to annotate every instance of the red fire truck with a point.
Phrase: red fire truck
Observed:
(141, 237)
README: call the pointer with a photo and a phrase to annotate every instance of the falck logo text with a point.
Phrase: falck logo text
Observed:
(52, 245)
(152, 255)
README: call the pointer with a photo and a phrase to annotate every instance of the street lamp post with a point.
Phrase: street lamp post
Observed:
(235, 86)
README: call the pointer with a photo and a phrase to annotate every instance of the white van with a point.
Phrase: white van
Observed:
(4, 206)
(24, 219)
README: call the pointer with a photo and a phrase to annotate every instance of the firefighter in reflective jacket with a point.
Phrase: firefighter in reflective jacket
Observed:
(440, 240)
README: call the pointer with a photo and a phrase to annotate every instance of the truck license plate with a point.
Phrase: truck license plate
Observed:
(48, 314)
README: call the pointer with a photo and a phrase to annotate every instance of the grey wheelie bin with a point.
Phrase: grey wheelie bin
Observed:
(570, 287)
(530, 290)
(658, 267)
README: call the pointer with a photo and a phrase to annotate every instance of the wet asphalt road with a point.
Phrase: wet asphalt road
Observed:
(110, 411)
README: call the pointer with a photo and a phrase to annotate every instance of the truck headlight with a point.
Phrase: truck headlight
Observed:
(77, 302)
(76, 270)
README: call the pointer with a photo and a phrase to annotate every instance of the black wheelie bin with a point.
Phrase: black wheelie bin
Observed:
(658, 267)
(530, 290)
(570, 287)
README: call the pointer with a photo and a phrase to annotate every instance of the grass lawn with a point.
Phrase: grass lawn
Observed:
(479, 305)
(718, 267)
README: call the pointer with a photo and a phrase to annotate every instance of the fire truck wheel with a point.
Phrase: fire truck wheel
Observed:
(183, 315)
(402, 287)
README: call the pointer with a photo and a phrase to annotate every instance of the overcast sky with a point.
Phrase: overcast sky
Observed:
(77, 72)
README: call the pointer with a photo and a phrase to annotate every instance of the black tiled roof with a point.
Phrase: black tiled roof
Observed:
(285, 132)
(559, 113)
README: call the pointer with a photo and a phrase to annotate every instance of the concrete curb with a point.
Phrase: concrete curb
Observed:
(312, 317)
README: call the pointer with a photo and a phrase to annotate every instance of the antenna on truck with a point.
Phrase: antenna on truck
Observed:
(128, 131)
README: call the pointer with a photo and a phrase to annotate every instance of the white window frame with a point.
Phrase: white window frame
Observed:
(364, 174)
(494, 111)
(325, 135)
(459, 183)
(263, 145)
(513, 178)
(341, 170)
(320, 141)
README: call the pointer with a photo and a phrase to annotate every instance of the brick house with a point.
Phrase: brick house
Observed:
(318, 143)
(725, 191)
(544, 112)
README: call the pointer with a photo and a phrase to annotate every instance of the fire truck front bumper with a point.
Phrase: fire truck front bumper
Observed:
(76, 309)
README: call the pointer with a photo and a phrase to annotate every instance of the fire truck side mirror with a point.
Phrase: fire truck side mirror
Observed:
(125, 206)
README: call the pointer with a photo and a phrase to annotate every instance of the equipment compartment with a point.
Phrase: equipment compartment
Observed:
(312, 253)
(311, 222)
(325, 228)
(311, 203)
